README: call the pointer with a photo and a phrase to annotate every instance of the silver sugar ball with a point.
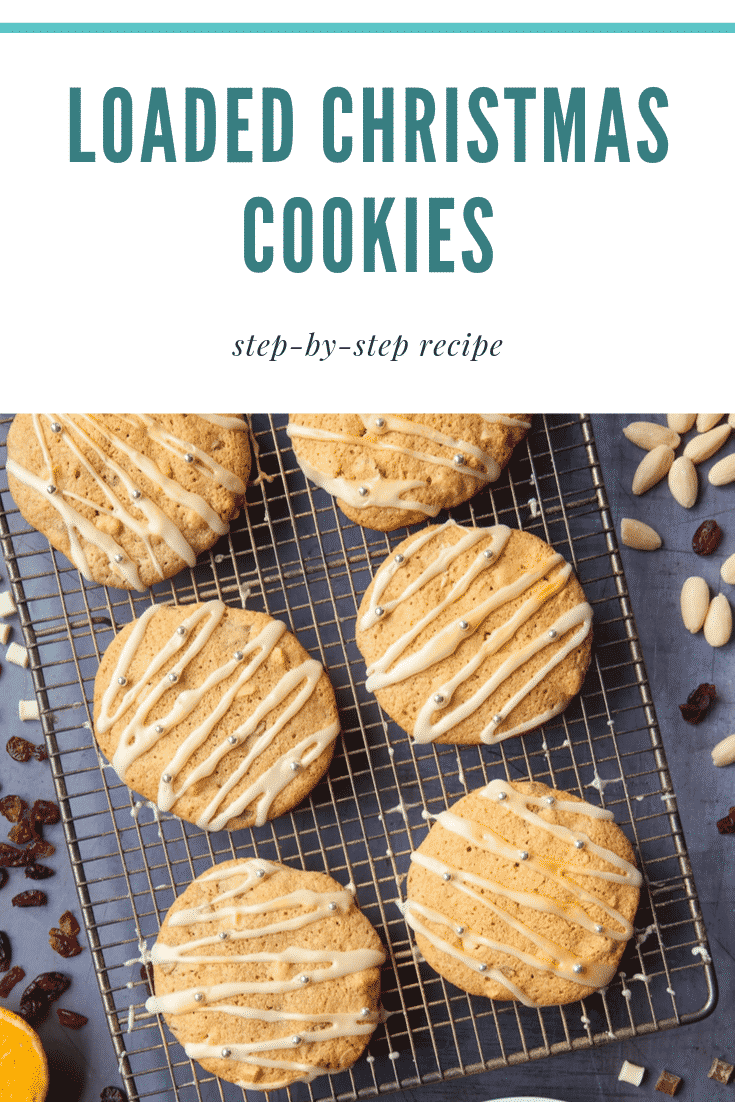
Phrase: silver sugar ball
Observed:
(198, 997)
(502, 795)
(482, 968)
(463, 625)
(365, 1012)
(577, 968)
(460, 930)
(181, 630)
(226, 1053)
(122, 680)
(295, 766)
(379, 422)
(158, 729)
(118, 558)
(552, 633)
(238, 655)
(223, 935)
(188, 458)
(363, 491)
(232, 739)
(304, 979)
(173, 677)
(598, 929)
(497, 718)
(379, 610)
(400, 559)
(166, 778)
(260, 873)
(50, 489)
(458, 460)
(55, 426)
(523, 855)
(296, 1040)
(446, 876)
(332, 907)
(488, 553)
(549, 801)
(438, 698)
(136, 495)
(579, 844)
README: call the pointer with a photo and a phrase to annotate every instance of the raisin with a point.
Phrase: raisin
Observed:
(10, 857)
(30, 899)
(20, 833)
(12, 807)
(50, 984)
(4, 951)
(707, 538)
(70, 1018)
(20, 749)
(62, 944)
(8, 982)
(40, 848)
(146, 974)
(69, 924)
(3, 877)
(113, 1094)
(45, 811)
(726, 825)
(38, 872)
(698, 704)
(33, 1008)
(40, 753)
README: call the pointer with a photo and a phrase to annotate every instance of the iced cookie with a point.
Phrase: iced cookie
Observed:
(267, 975)
(216, 714)
(129, 498)
(471, 635)
(522, 892)
(391, 470)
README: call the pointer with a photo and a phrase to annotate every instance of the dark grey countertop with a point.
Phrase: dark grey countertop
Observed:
(84, 1061)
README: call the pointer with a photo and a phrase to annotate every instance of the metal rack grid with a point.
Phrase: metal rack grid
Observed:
(293, 554)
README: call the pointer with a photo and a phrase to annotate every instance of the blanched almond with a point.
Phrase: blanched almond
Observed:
(654, 466)
(707, 421)
(718, 621)
(680, 422)
(648, 435)
(723, 471)
(640, 536)
(684, 481)
(727, 570)
(694, 602)
(731, 420)
(724, 752)
(706, 444)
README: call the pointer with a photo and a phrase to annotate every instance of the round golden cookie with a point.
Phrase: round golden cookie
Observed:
(267, 975)
(216, 714)
(471, 635)
(129, 498)
(523, 892)
(391, 470)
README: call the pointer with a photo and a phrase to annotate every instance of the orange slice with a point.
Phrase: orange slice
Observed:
(23, 1067)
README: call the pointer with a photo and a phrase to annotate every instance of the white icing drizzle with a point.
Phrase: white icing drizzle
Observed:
(136, 700)
(319, 965)
(140, 515)
(388, 493)
(504, 419)
(554, 958)
(393, 667)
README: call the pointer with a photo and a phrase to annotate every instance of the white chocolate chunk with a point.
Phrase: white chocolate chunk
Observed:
(694, 603)
(706, 444)
(4, 633)
(17, 655)
(640, 536)
(723, 471)
(680, 422)
(684, 481)
(718, 621)
(652, 468)
(648, 435)
(28, 709)
(7, 604)
(724, 752)
(707, 421)
(631, 1073)
(727, 570)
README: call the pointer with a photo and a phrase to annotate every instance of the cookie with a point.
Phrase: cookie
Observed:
(267, 975)
(471, 635)
(522, 892)
(129, 498)
(391, 470)
(217, 714)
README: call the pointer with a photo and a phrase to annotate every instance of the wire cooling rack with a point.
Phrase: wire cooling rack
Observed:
(293, 554)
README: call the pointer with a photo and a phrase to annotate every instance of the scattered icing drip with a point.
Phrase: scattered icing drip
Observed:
(533, 506)
(391, 752)
(611, 724)
(120, 1064)
(585, 1021)
(245, 593)
(393, 1055)
(643, 935)
(130, 984)
(262, 476)
(131, 1017)
(553, 958)
(351, 888)
(370, 1059)
(638, 799)
(700, 951)
(156, 815)
(427, 814)
(399, 809)
(640, 976)
(389, 852)
(135, 809)
(566, 742)
(537, 585)
(667, 796)
(87, 725)
(601, 784)
(544, 745)
(161, 887)
(670, 991)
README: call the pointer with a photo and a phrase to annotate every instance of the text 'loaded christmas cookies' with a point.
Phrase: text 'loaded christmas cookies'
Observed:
(391, 470)
(522, 892)
(471, 635)
(216, 714)
(267, 975)
(129, 498)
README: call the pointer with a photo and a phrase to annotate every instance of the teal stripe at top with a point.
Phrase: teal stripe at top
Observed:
(367, 28)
